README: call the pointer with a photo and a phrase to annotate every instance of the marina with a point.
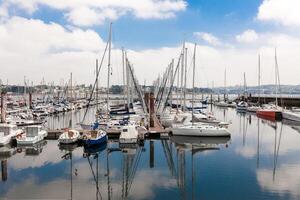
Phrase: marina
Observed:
(149, 99)
(259, 153)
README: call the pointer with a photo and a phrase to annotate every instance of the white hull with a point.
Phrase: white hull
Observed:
(129, 135)
(203, 131)
(32, 140)
(291, 115)
(64, 138)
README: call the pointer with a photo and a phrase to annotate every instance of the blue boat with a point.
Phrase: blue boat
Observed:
(94, 137)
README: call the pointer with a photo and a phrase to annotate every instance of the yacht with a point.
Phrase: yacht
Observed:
(205, 130)
(31, 135)
(7, 131)
(129, 134)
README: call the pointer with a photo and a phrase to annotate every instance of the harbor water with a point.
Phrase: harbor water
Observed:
(260, 161)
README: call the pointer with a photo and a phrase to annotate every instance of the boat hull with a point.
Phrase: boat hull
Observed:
(221, 132)
(269, 114)
(92, 142)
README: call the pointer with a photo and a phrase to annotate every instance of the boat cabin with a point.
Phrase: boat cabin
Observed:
(32, 131)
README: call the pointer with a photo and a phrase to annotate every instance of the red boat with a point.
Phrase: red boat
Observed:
(272, 114)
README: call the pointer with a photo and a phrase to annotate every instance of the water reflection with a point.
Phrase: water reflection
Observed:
(260, 161)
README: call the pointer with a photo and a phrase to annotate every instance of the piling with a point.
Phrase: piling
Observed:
(3, 107)
(147, 98)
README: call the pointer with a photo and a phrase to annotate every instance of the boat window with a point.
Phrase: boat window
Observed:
(31, 131)
(125, 130)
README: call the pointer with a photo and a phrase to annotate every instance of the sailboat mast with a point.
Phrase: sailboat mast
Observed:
(97, 86)
(108, 71)
(259, 87)
(225, 93)
(193, 95)
(171, 82)
(123, 65)
(185, 72)
(276, 100)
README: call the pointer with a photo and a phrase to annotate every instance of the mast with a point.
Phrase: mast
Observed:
(276, 100)
(171, 82)
(108, 71)
(225, 93)
(185, 72)
(259, 78)
(193, 96)
(127, 80)
(123, 65)
(181, 78)
(97, 84)
(71, 86)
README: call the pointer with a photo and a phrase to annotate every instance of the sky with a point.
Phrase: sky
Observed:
(49, 39)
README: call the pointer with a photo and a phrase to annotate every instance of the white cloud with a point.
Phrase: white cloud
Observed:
(88, 13)
(247, 36)
(285, 12)
(284, 181)
(208, 37)
(85, 16)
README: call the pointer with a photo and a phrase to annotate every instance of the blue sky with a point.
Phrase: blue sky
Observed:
(224, 19)
(229, 33)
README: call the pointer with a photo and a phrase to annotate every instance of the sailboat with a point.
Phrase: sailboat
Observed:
(199, 129)
(271, 111)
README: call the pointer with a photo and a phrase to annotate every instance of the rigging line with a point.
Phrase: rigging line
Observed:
(91, 95)
(173, 79)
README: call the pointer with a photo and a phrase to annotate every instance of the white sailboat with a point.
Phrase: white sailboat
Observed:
(199, 129)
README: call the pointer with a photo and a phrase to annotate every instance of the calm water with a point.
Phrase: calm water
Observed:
(260, 161)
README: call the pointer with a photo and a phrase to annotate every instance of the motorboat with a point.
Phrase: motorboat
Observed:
(94, 137)
(7, 132)
(69, 136)
(31, 135)
(201, 130)
(129, 134)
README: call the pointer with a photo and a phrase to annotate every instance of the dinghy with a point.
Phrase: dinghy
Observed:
(69, 136)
